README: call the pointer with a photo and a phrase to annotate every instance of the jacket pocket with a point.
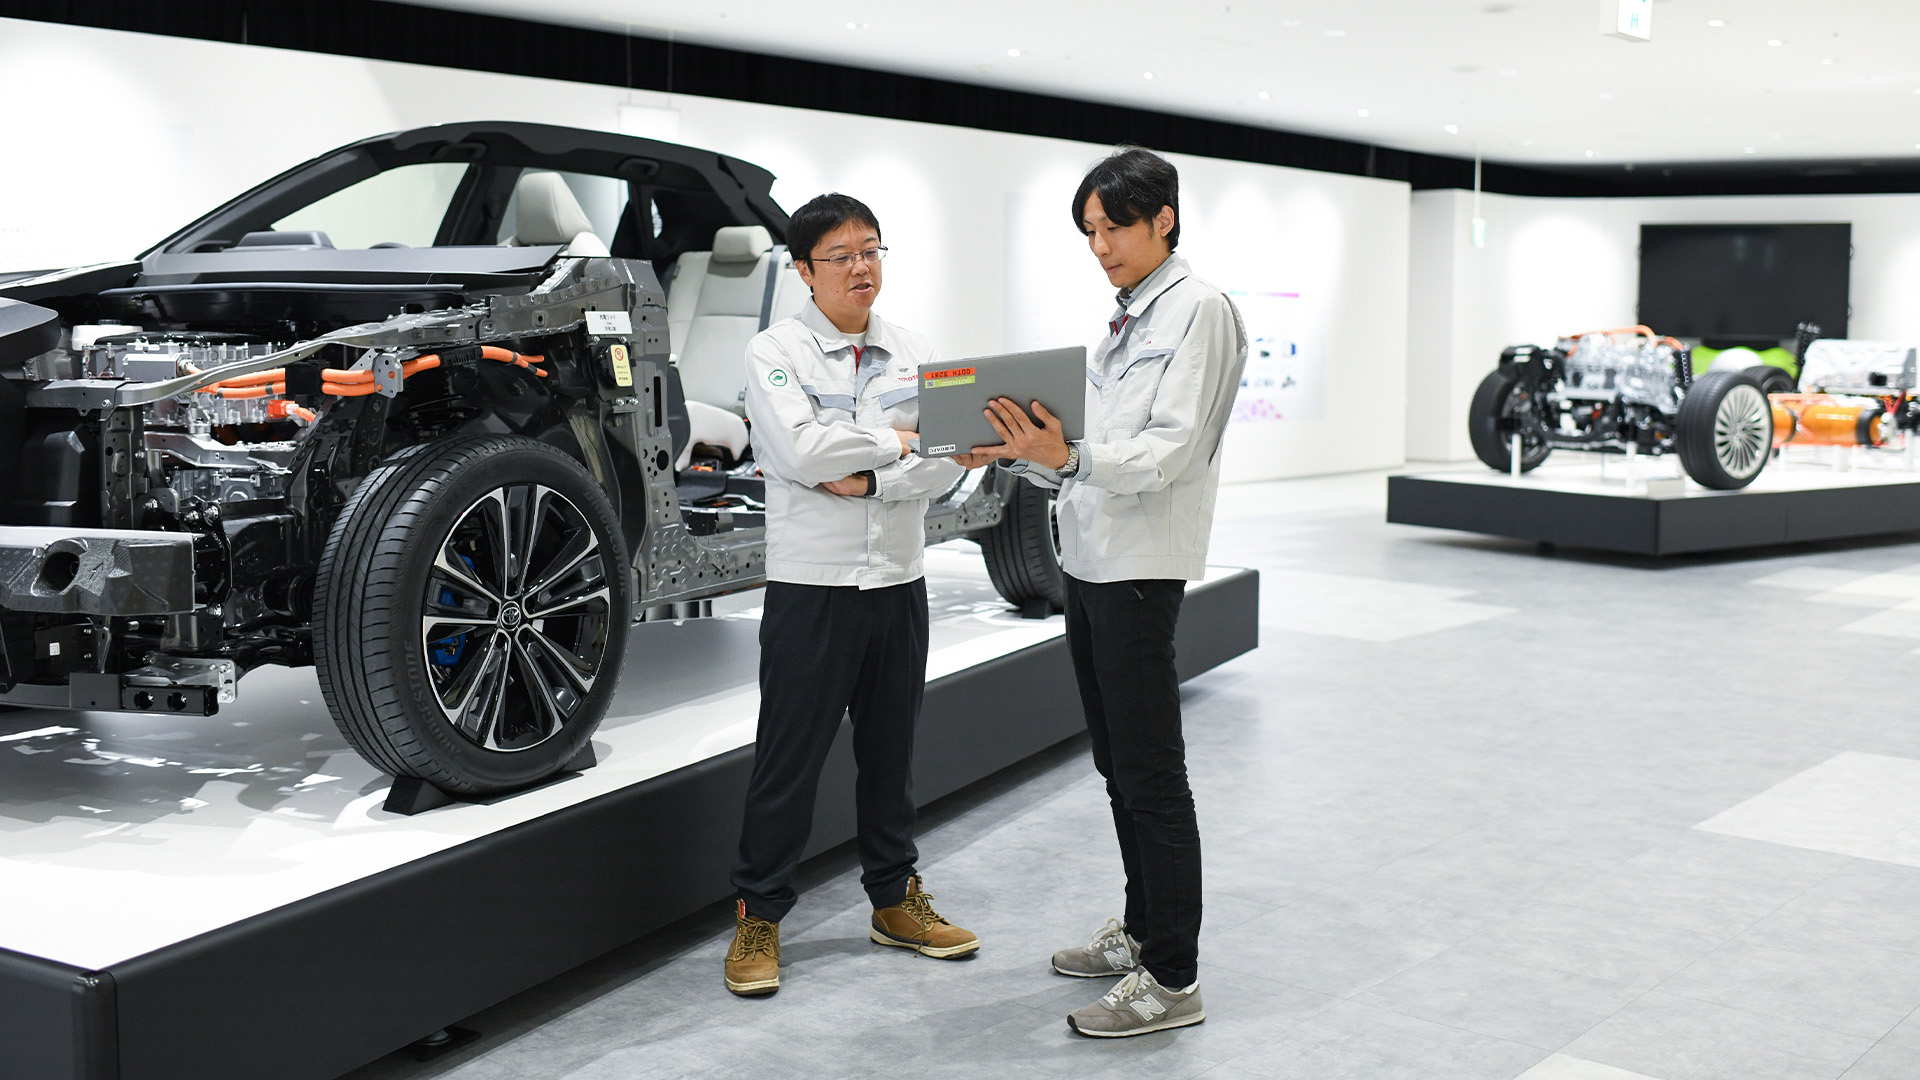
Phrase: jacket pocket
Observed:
(1130, 394)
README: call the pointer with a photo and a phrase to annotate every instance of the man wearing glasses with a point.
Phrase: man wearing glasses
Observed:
(832, 396)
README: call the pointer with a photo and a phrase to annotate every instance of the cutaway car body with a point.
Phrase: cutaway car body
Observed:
(439, 412)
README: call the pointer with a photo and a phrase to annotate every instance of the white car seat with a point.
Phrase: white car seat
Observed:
(717, 301)
(545, 212)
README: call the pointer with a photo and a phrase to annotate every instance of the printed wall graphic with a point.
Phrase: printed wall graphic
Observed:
(1285, 377)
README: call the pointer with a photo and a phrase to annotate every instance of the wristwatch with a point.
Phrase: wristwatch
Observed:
(1073, 461)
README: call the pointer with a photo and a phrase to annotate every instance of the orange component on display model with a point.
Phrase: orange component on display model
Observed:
(1828, 420)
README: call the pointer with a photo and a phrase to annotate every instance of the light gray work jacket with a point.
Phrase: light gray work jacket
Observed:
(822, 410)
(1160, 387)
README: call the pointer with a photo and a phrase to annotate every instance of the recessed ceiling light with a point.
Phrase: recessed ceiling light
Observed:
(1774, 43)
(1589, 153)
(1606, 95)
(1451, 129)
(1289, 22)
(1334, 33)
(1264, 96)
(1748, 150)
(1013, 53)
(1829, 60)
(1509, 72)
(1716, 22)
(1365, 113)
(1526, 142)
(1146, 74)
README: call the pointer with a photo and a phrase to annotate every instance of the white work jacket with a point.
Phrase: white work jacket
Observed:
(1160, 387)
(823, 410)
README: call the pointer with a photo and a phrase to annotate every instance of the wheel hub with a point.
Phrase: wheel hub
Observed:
(511, 616)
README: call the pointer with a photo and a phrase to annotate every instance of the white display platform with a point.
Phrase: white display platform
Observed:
(122, 833)
(1646, 507)
(1808, 469)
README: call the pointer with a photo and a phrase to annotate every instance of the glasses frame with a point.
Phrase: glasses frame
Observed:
(846, 259)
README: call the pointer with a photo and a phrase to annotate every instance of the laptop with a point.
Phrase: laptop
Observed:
(954, 396)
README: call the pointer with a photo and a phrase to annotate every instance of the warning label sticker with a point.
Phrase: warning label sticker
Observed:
(949, 377)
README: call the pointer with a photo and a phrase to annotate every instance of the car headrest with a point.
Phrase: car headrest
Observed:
(545, 211)
(741, 243)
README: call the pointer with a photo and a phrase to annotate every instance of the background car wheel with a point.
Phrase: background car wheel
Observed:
(1772, 380)
(471, 613)
(1724, 430)
(1502, 395)
(1023, 551)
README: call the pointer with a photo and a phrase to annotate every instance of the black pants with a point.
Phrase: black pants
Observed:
(826, 652)
(1121, 637)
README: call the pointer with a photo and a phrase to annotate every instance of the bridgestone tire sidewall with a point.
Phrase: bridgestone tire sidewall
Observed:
(420, 498)
(1483, 420)
(1693, 430)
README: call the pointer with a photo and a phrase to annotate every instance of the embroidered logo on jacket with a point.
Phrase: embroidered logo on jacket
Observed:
(777, 377)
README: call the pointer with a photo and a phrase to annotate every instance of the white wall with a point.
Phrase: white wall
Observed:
(147, 132)
(1556, 266)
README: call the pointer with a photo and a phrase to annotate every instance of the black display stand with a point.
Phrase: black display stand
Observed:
(319, 987)
(1642, 524)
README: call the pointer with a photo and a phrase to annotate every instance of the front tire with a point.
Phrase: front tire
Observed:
(471, 613)
(1023, 551)
(1724, 430)
(1503, 396)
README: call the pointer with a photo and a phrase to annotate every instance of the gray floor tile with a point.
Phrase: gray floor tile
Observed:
(1857, 989)
(1540, 1007)
(1676, 1038)
(1635, 952)
(1323, 954)
(1895, 1057)
(1356, 1042)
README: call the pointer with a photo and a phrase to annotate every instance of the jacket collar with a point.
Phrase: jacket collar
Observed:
(832, 340)
(1164, 277)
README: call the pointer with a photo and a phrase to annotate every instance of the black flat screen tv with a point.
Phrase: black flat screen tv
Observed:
(1744, 284)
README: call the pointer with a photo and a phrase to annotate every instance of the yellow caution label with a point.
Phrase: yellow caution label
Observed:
(622, 373)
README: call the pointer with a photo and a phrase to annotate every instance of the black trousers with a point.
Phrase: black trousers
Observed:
(1121, 637)
(828, 652)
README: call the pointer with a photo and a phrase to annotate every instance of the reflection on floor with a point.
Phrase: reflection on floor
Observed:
(1438, 847)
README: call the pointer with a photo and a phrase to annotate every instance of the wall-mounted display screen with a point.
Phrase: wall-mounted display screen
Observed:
(1744, 283)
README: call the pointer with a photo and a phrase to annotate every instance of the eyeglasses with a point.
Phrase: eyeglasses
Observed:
(846, 259)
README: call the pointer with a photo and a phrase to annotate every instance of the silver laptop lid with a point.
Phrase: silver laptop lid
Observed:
(954, 396)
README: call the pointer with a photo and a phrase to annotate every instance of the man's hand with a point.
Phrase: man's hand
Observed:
(907, 439)
(855, 485)
(982, 455)
(1042, 445)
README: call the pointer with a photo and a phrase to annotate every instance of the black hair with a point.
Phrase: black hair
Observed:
(1132, 183)
(821, 215)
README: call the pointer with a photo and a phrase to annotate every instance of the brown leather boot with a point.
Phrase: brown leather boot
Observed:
(913, 924)
(753, 964)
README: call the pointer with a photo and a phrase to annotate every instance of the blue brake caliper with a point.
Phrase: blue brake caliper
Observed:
(446, 651)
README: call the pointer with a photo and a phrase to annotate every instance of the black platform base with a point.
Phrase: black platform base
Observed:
(1776, 510)
(318, 987)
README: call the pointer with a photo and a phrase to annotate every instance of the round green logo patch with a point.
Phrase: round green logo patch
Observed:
(777, 377)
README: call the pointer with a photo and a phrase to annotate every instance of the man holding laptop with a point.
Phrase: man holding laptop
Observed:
(1135, 514)
(832, 396)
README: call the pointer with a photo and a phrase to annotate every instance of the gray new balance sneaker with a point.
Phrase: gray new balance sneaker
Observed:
(1136, 1006)
(1111, 952)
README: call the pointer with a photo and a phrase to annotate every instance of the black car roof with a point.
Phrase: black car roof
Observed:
(743, 187)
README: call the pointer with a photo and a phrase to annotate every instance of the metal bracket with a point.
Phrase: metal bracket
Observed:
(386, 373)
(164, 670)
